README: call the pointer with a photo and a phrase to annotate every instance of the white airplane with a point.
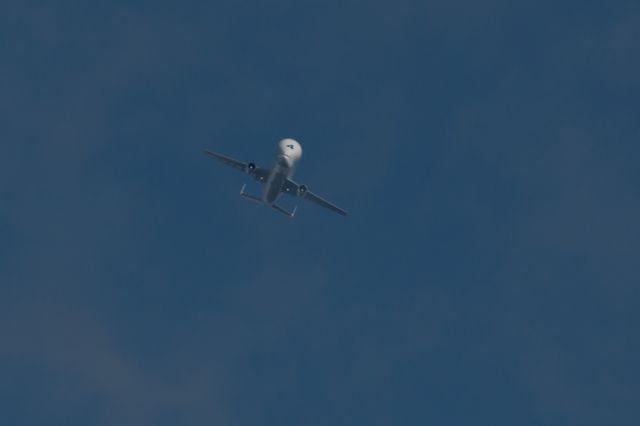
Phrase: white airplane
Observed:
(277, 180)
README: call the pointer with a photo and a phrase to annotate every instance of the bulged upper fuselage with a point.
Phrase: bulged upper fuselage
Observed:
(289, 150)
(289, 153)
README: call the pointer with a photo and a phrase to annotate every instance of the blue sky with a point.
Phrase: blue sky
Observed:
(487, 272)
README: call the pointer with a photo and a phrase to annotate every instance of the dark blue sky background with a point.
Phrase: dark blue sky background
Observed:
(488, 270)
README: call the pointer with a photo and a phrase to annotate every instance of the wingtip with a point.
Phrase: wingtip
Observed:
(210, 154)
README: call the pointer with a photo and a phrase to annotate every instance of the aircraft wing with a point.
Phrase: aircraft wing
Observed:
(257, 173)
(290, 187)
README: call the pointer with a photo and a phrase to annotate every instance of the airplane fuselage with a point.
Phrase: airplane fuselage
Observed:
(277, 177)
(289, 152)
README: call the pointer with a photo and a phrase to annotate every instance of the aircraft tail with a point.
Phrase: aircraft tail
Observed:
(276, 207)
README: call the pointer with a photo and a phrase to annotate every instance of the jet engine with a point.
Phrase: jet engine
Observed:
(250, 168)
(302, 189)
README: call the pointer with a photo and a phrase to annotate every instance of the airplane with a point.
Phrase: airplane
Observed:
(277, 180)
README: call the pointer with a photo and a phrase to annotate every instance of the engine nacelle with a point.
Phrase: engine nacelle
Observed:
(302, 189)
(250, 168)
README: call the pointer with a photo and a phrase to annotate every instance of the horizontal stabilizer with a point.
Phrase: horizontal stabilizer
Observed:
(249, 196)
(284, 212)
